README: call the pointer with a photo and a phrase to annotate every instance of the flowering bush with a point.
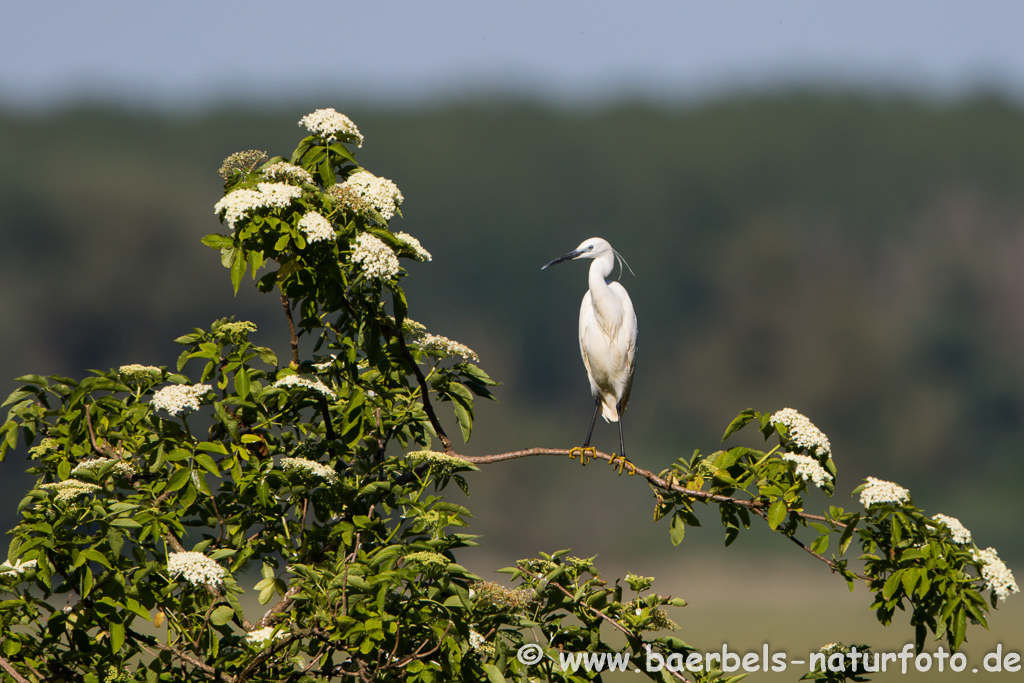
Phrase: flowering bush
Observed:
(143, 530)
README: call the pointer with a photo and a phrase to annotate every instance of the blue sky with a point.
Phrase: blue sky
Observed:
(193, 52)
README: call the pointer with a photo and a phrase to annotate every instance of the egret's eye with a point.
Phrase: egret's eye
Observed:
(590, 248)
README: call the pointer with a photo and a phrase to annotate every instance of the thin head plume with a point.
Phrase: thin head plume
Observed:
(622, 262)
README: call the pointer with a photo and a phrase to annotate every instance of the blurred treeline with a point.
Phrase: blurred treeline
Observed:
(854, 256)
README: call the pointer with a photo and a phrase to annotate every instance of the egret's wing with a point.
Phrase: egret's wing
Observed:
(587, 323)
(630, 364)
(626, 341)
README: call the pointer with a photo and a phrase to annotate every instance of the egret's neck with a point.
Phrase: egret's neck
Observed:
(600, 269)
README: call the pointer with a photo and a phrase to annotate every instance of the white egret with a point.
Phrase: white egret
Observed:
(607, 336)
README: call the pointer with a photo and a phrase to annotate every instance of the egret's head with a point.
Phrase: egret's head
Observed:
(593, 248)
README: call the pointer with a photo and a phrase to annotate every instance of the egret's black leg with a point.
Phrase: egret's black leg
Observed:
(590, 432)
(620, 459)
(622, 444)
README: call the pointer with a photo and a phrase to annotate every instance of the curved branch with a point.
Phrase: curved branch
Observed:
(434, 422)
(104, 450)
(11, 671)
(572, 597)
(202, 666)
(757, 507)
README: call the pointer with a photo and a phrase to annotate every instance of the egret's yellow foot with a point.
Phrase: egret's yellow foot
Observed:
(586, 453)
(621, 461)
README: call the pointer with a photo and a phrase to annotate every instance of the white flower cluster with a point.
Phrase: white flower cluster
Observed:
(139, 374)
(261, 635)
(433, 457)
(235, 205)
(278, 195)
(69, 489)
(375, 258)
(329, 124)
(45, 447)
(475, 640)
(241, 161)
(363, 191)
(435, 342)
(196, 568)
(311, 467)
(316, 228)
(237, 330)
(997, 575)
(808, 469)
(802, 432)
(122, 468)
(428, 558)
(878, 491)
(179, 399)
(285, 172)
(289, 381)
(412, 330)
(18, 567)
(959, 532)
(421, 254)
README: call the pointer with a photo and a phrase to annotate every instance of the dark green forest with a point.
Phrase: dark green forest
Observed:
(856, 257)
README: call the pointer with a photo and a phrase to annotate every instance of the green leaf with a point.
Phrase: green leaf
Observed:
(188, 496)
(237, 269)
(493, 675)
(208, 464)
(135, 606)
(222, 615)
(87, 580)
(256, 261)
(242, 384)
(96, 556)
(465, 419)
(340, 150)
(400, 305)
(115, 539)
(847, 536)
(677, 529)
(116, 635)
(178, 479)
(777, 513)
(820, 544)
(217, 241)
(125, 523)
(892, 585)
(910, 579)
(739, 422)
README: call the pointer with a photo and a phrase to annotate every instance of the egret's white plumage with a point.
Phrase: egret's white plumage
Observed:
(607, 333)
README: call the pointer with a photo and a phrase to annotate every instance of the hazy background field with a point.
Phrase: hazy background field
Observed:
(822, 219)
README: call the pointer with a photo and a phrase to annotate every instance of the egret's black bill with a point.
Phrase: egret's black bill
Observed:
(568, 257)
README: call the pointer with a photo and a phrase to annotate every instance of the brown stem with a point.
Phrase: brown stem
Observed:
(425, 390)
(572, 597)
(328, 425)
(291, 328)
(104, 450)
(183, 656)
(756, 506)
(12, 671)
(282, 605)
(832, 565)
